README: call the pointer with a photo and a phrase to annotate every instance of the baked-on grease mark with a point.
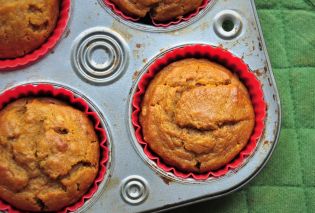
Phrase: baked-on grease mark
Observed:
(196, 115)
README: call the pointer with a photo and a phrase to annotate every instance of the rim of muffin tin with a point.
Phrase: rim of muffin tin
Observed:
(108, 143)
(50, 43)
(152, 163)
(172, 26)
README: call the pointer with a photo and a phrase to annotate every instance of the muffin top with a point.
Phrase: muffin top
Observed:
(25, 25)
(161, 10)
(196, 115)
(49, 154)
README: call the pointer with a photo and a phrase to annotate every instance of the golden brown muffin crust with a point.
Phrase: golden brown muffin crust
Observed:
(49, 154)
(25, 25)
(161, 10)
(171, 9)
(196, 115)
(138, 8)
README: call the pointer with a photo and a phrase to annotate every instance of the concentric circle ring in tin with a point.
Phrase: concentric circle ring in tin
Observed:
(99, 55)
(134, 190)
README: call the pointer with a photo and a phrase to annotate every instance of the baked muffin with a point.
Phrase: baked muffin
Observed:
(171, 9)
(136, 8)
(25, 25)
(49, 154)
(161, 10)
(196, 115)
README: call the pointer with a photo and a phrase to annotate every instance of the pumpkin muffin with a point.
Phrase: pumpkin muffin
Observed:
(196, 115)
(25, 25)
(161, 10)
(136, 8)
(49, 154)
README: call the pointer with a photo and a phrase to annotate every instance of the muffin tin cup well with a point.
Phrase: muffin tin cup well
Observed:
(179, 20)
(225, 58)
(32, 57)
(60, 93)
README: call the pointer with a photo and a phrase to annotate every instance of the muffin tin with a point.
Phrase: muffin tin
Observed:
(102, 57)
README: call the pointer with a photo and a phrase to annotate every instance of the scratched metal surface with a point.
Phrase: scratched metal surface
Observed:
(112, 98)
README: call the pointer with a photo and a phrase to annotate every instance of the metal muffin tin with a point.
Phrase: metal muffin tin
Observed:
(101, 57)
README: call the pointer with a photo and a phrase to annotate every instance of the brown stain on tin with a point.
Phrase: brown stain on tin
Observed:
(260, 72)
(135, 75)
(166, 180)
(265, 68)
(266, 144)
(118, 27)
(137, 50)
(136, 53)
(267, 107)
(202, 26)
(113, 183)
(260, 44)
(145, 60)
(67, 33)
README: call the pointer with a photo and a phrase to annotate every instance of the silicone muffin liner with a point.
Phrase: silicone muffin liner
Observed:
(35, 55)
(225, 58)
(41, 90)
(184, 18)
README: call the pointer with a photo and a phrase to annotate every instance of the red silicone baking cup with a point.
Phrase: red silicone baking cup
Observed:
(231, 62)
(30, 90)
(184, 18)
(32, 57)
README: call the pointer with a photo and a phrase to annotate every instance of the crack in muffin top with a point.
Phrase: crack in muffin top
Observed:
(49, 154)
(160, 10)
(25, 25)
(196, 115)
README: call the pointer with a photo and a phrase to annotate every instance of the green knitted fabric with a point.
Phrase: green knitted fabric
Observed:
(287, 183)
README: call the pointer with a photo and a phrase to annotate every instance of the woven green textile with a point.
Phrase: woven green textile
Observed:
(287, 183)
